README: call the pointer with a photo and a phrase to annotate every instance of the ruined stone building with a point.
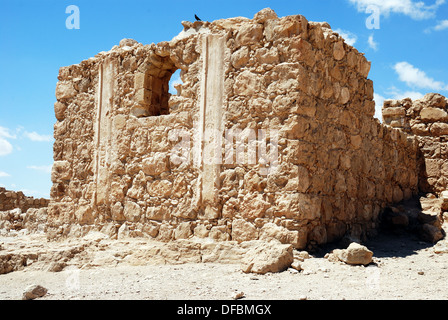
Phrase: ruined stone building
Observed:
(270, 135)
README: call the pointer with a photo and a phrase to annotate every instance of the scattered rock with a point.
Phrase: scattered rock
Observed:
(299, 257)
(238, 295)
(263, 257)
(297, 265)
(444, 197)
(431, 233)
(33, 292)
(355, 254)
(57, 266)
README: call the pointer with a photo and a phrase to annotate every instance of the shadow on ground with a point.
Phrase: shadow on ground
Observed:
(395, 240)
(385, 244)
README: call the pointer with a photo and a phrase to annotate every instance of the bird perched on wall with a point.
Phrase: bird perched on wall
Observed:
(197, 18)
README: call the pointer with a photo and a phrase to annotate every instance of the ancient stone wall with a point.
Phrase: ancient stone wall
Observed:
(271, 135)
(427, 119)
(11, 200)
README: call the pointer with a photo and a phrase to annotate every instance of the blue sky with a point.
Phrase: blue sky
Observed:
(408, 50)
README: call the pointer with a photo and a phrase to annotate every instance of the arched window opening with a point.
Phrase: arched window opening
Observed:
(152, 88)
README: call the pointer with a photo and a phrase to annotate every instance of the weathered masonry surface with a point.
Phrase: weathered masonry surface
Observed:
(288, 92)
(11, 200)
(427, 119)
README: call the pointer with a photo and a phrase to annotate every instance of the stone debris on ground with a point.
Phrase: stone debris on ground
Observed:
(34, 291)
(263, 257)
(355, 254)
(238, 295)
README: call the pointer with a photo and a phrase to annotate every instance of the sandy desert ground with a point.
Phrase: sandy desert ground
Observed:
(403, 268)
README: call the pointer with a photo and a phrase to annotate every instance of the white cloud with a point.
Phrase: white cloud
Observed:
(45, 169)
(417, 10)
(394, 94)
(397, 94)
(34, 136)
(5, 145)
(415, 77)
(442, 25)
(4, 174)
(372, 44)
(349, 37)
(379, 100)
(6, 133)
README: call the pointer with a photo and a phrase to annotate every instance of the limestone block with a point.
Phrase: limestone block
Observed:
(355, 254)
(247, 84)
(265, 15)
(240, 57)
(338, 50)
(117, 212)
(219, 233)
(439, 129)
(253, 206)
(84, 214)
(271, 231)
(158, 213)
(300, 206)
(127, 42)
(143, 96)
(243, 230)
(183, 230)
(364, 67)
(141, 80)
(432, 167)
(433, 114)
(160, 188)
(249, 33)
(65, 90)
(263, 257)
(155, 164)
(394, 112)
(60, 171)
(132, 211)
(285, 27)
(59, 110)
(267, 56)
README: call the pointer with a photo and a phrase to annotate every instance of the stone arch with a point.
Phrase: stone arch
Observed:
(151, 84)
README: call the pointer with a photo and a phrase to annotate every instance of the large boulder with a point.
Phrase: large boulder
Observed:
(355, 254)
(263, 257)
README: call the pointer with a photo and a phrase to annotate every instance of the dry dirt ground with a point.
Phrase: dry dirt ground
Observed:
(403, 268)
